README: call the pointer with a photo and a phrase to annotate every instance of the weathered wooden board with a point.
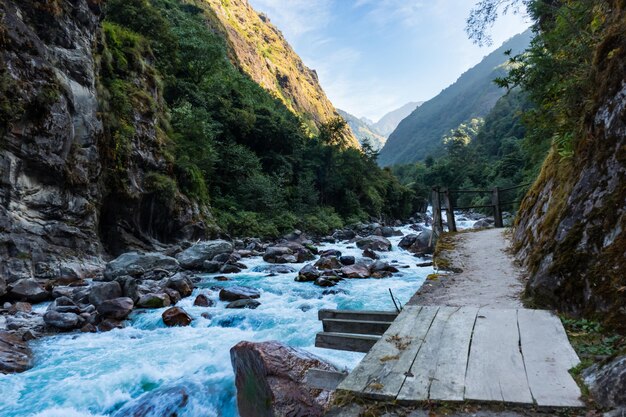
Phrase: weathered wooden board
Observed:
(548, 356)
(448, 382)
(381, 373)
(321, 379)
(411, 341)
(495, 370)
(346, 341)
(416, 386)
(367, 315)
(355, 326)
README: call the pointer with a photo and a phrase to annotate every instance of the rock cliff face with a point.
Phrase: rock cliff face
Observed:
(261, 51)
(571, 231)
(64, 193)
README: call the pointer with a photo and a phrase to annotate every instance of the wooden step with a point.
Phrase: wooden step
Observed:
(355, 326)
(345, 341)
(364, 315)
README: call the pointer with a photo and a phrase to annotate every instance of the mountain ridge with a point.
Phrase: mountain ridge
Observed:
(472, 95)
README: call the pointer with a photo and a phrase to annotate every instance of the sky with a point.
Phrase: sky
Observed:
(373, 56)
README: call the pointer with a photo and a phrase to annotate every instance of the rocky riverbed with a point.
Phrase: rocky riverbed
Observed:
(101, 343)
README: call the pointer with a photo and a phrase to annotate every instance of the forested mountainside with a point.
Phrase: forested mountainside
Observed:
(388, 123)
(260, 49)
(124, 124)
(481, 154)
(473, 95)
(571, 228)
(363, 131)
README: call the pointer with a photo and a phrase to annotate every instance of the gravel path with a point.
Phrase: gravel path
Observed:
(489, 277)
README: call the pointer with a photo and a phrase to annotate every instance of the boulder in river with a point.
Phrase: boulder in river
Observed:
(418, 243)
(270, 381)
(244, 303)
(279, 255)
(275, 269)
(15, 355)
(176, 316)
(330, 252)
(328, 262)
(211, 266)
(238, 292)
(154, 300)
(327, 281)
(358, 270)
(373, 242)
(28, 289)
(181, 283)
(202, 300)
(347, 260)
(194, 256)
(102, 291)
(308, 273)
(368, 253)
(345, 234)
(135, 264)
(63, 321)
(117, 308)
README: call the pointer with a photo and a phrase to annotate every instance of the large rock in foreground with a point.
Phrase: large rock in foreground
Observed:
(15, 355)
(135, 263)
(270, 381)
(194, 256)
(607, 384)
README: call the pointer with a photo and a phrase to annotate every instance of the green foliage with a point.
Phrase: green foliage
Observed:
(556, 70)
(163, 187)
(233, 143)
(591, 339)
(479, 155)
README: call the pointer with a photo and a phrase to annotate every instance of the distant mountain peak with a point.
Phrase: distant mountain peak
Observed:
(391, 120)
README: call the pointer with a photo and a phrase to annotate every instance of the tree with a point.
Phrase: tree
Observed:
(485, 13)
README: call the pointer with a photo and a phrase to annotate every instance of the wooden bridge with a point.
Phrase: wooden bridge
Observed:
(517, 356)
(444, 199)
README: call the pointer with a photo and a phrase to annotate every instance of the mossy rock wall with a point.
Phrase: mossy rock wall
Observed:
(571, 230)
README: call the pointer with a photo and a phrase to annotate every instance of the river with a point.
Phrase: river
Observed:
(80, 375)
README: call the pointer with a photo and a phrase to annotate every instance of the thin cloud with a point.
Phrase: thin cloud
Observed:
(296, 17)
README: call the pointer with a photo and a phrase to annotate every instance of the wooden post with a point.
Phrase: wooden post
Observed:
(449, 211)
(497, 210)
(437, 220)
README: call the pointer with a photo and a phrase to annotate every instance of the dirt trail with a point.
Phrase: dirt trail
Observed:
(489, 277)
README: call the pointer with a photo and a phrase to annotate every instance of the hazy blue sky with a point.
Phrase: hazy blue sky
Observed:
(373, 56)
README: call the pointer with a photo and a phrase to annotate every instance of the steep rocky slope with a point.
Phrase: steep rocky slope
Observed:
(473, 95)
(362, 130)
(571, 231)
(70, 183)
(260, 49)
(88, 163)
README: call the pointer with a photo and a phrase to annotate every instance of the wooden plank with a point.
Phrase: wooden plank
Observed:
(365, 315)
(355, 326)
(548, 356)
(381, 372)
(417, 382)
(495, 370)
(439, 367)
(412, 342)
(321, 379)
(345, 341)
